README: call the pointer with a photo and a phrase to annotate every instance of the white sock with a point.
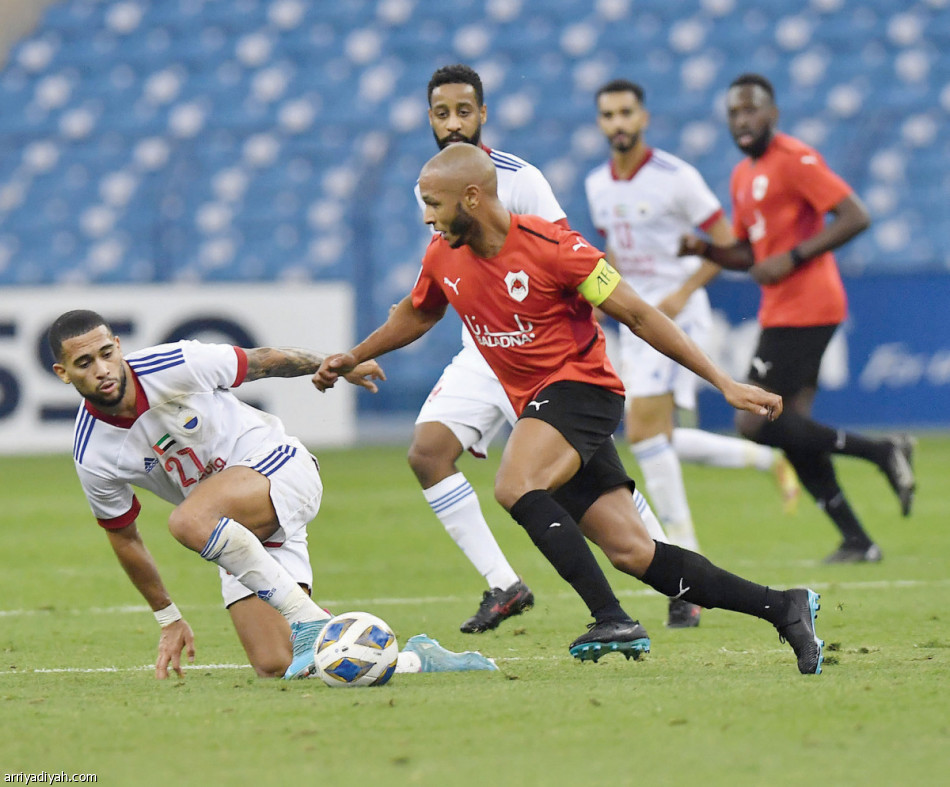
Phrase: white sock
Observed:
(664, 482)
(654, 528)
(238, 551)
(455, 503)
(706, 448)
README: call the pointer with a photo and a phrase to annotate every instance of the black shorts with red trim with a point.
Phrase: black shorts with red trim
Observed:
(586, 416)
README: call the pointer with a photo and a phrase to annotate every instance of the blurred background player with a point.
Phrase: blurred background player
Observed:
(467, 406)
(781, 192)
(642, 200)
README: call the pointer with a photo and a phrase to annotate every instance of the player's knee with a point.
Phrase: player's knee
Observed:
(270, 667)
(430, 461)
(640, 431)
(184, 528)
(629, 555)
(509, 491)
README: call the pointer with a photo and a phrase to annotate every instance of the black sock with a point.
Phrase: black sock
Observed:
(683, 574)
(817, 474)
(798, 434)
(567, 550)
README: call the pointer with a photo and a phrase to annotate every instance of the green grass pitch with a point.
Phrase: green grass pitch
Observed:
(719, 705)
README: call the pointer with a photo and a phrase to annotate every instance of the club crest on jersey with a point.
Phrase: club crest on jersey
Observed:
(760, 184)
(517, 284)
(189, 421)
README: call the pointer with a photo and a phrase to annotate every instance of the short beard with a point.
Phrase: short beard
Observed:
(627, 147)
(103, 403)
(461, 227)
(759, 145)
(452, 139)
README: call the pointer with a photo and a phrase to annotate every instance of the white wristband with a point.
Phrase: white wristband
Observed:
(167, 616)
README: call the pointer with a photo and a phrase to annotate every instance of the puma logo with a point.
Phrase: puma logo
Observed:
(537, 405)
(453, 284)
(761, 367)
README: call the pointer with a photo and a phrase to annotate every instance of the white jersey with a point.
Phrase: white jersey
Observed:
(644, 216)
(522, 188)
(189, 426)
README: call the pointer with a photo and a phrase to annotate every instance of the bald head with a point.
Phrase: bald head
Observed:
(456, 167)
(459, 187)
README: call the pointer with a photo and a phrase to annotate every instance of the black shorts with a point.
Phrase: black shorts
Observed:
(787, 359)
(587, 416)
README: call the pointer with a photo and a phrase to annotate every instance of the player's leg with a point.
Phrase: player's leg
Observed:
(463, 412)
(228, 516)
(696, 446)
(787, 361)
(538, 457)
(649, 424)
(264, 634)
(613, 523)
(649, 378)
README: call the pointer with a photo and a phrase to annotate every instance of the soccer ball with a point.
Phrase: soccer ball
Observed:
(356, 649)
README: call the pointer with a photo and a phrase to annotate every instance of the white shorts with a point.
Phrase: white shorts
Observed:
(647, 372)
(296, 490)
(470, 401)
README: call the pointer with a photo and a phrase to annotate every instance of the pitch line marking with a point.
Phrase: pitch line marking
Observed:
(128, 609)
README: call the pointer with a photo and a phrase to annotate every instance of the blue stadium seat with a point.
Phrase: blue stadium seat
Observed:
(316, 203)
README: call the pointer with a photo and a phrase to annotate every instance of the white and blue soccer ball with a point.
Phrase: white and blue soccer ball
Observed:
(356, 649)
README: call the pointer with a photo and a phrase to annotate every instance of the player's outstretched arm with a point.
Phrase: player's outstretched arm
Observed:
(141, 568)
(658, 330)
(263, 362)
(404, 325)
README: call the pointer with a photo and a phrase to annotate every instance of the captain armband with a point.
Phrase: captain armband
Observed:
(602, 281)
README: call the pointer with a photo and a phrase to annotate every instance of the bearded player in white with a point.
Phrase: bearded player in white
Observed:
(164, 419)
(642, 200)
(467, 406)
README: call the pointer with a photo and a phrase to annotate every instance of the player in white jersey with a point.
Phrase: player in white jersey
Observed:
(164, 419)
(642, 200)
(467, 406)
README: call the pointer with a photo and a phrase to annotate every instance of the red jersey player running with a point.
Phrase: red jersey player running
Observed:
(780, 195)
(525, 289)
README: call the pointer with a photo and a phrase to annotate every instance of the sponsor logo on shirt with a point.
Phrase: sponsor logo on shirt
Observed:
(524, 334)
(760, 185)
(150, 464)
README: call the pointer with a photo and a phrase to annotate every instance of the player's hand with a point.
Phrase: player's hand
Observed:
(364, 374)
(692, 246)
(756, 400)
(175, 638)
(332, 369)
(772, 269)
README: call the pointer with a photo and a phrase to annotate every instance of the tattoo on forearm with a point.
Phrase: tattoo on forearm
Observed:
(281, 362)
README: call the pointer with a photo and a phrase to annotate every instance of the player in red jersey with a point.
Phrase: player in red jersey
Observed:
(525, 288)
(780, 195)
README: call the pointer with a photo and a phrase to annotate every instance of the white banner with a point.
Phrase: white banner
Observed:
(37, 410)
